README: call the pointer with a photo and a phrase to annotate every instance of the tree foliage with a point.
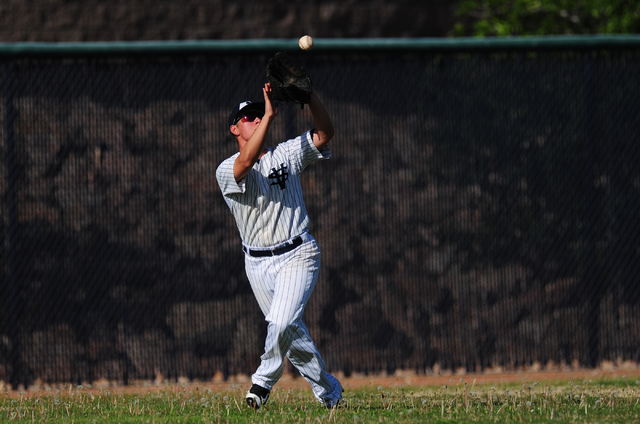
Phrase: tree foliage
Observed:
(546, 17)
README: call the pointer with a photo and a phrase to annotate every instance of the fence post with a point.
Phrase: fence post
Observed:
(14, 302)
(594, 285)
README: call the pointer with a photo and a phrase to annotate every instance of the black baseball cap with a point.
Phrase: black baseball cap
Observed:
(244, 108)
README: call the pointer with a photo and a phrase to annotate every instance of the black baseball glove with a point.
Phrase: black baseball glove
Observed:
(289, 82)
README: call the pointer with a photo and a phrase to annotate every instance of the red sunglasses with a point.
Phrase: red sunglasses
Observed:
(250, 117)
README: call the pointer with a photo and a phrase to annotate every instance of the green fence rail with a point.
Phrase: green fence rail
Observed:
(158, 48)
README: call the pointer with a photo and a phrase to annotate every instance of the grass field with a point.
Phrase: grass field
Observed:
(611, 400)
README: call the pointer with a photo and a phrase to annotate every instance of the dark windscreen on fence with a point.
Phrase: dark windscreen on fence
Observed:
(480, 210)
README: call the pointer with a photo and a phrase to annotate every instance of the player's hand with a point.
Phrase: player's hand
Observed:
(270, 108)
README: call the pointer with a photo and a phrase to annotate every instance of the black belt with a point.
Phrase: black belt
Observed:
(277, 251)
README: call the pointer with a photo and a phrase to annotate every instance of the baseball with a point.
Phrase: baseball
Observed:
(305, 42)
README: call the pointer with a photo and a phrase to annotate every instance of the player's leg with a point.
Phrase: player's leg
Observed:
(296, 274)
(304, 355)
(261, 275)
(262, 278)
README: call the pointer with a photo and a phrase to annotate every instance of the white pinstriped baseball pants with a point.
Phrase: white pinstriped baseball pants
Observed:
(282, 286)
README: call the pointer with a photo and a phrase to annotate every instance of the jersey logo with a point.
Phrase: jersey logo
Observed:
(279, 176)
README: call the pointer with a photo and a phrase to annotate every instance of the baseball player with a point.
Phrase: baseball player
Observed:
(261, 186)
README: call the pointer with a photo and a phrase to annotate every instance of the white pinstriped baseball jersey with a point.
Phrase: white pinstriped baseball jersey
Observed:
(267, 204)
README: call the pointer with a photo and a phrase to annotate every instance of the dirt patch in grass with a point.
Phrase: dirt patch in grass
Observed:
(399, 379)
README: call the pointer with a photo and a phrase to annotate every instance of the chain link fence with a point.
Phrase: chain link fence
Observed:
(481, 210)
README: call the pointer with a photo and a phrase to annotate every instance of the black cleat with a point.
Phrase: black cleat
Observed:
(257, 396)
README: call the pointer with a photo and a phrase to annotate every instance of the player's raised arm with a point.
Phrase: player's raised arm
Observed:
(323, 126)
(291, 83)
(251, 136)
